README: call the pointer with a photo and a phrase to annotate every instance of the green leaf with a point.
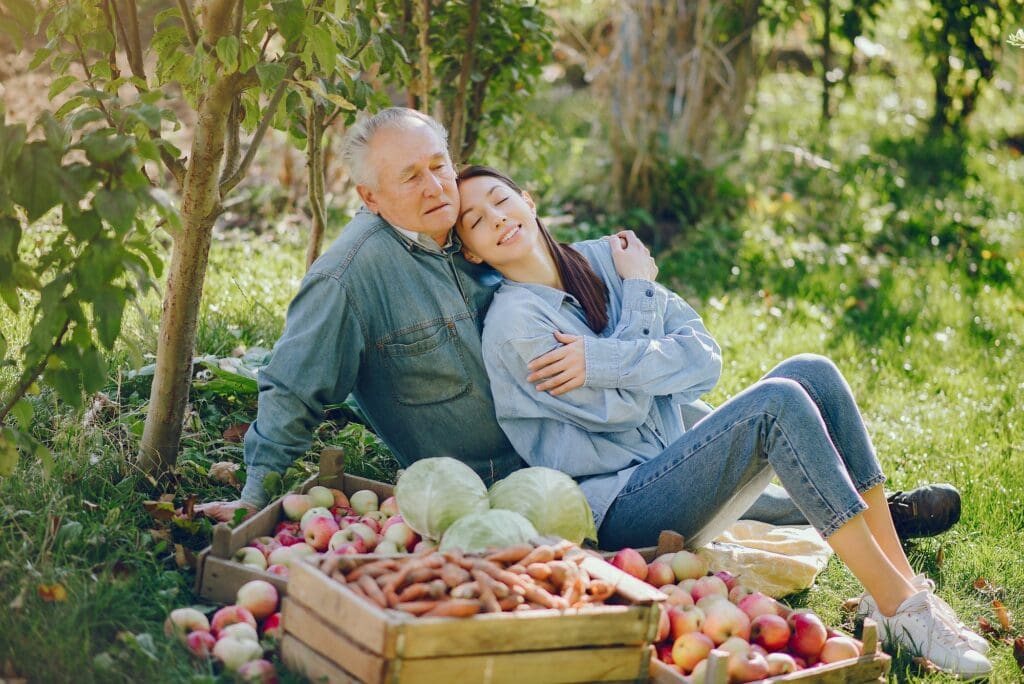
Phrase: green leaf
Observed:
(84, 226)
(67, 383)
(57, 134)
(247, 58)
(61, 84)
(104, 145)
(227, 52)
(36, 182)
(22, 12)
(323, 47)
(10, 237)
(94, 369)
(71, 105)
(10, 297)
(22, 412)
(107, 310)
(118, 207)
(12, 140)
(84, 116)
(291, 18)
(225, 382)
(45, 457)
(8, 452)
(271, 74)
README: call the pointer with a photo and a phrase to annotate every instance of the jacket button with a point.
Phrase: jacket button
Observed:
(646, 331)
(650, 293)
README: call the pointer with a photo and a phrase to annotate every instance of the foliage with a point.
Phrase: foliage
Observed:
(78, 276)
(1016, 39)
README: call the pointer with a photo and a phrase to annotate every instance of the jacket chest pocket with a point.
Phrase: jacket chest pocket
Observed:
(426, 365)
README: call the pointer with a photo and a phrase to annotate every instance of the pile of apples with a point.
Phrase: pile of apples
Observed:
(706, 611)
(325, 520)
(233, 636)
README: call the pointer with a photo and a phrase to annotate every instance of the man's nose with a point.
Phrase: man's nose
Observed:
(433, 185)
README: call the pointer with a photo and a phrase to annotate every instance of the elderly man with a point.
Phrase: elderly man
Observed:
(392, 314)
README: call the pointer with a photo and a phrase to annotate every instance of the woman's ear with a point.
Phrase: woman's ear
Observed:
(471, 257)
(529, 201)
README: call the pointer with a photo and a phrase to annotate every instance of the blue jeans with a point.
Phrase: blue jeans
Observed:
(799, 422)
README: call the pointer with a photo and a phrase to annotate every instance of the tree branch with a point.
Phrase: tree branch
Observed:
(239, 16)
(190, 22)
(275, 100)
(112, 57)
(232, 151)
(133, 40)
(92, 84)
(459, 105)
(30, 377)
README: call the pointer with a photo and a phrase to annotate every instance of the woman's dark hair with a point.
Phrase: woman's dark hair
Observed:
(575, 271)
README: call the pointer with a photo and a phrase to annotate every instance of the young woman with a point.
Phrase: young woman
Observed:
(620, 354)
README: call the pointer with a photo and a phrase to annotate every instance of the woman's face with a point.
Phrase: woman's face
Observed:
(497, 225)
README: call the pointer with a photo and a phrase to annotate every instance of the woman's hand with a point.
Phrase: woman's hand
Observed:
(632, 259)
(224, 511)
(561, 369)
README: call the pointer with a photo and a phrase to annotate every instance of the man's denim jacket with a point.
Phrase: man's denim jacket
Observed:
(397, 326)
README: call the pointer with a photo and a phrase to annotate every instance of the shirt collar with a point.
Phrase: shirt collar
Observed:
(551, 296)
(411, 237)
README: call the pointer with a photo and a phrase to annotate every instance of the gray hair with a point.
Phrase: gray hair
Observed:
(357, 141)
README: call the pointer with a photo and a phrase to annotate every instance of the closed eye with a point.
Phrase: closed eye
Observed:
(500, 202)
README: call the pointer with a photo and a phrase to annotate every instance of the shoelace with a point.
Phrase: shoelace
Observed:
(947, 637)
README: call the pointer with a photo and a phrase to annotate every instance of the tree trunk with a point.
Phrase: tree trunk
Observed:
(826, 60)
(458, 114)
(200, 205)
(315, 182)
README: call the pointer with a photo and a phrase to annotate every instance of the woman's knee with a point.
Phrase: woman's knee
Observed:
(782, 395)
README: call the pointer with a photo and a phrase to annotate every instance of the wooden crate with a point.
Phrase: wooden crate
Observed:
(873, 666)
(218, 577)
(334, 635)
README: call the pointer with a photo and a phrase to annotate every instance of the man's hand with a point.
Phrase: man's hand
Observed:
(224, 511)
(632, 259)
(561, 369)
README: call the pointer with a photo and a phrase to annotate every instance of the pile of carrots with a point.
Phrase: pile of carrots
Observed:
(450, 584)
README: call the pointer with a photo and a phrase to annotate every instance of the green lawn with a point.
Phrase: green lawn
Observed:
(912, 286)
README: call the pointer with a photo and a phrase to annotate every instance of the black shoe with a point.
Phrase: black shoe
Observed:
(926, 511)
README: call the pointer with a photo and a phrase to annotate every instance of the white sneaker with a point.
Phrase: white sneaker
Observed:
(975, 641)
(919, 626)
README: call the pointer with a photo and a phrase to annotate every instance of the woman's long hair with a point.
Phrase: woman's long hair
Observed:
(578, 277)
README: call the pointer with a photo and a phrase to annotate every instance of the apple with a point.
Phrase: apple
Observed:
(319, 531)
(183, 621)
(771, 632)
(288, 537)
(388, 546)
(342, 537)
(706, 586)
(371, 522)
(375, 515)
(678, 597)
(688, 565)
(664, 652)
(295, 505)
(708, 600)
(758, 604)
(735, 645)
(690, 649)
(291, 526)
(747, 667)
(348, 520)
(283, 556)
(349, 548)
(312, 514)
(358, 531)
(321, 497)
(280, 570)
(248, 555)
(808, 636)
(302, 549)
(258, 672)
(264, 545)
(631, 562)
(200, 643)
(685, 620)
(739, 592)
(699, 674)
(424, 545)
(780, 663)
(660, 573)
(664, 624)
(364, 501)
(239, 630)
(402, 535)
(236, 652)
(389, 506)
(272, 626)
(258, 597)
(230, 615)
(754, 648)
(687, 585)
(723, 620)
(839, 648)
(340, 500)
(730, 579)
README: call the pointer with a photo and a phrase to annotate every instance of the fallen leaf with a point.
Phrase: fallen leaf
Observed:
(189, 509)
(224, 472)
(89, 505)
(161, 510)
(236, 432)
(1002, 615)
(940, 556)
(167, 497)
(1018, 651)
(926, 665)
(850, 605)
(981, 584)
(986, 627)
(184, 558)
(160, 535)
(19, 601)
(52, 593)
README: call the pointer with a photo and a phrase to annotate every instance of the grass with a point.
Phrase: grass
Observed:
(909, 282)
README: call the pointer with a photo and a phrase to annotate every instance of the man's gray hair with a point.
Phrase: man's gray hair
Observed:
(357, 141)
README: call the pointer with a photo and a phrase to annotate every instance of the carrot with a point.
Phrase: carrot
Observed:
(417, 607)
(512, 602)
(373, 569)
(466, 590)
(517, 568)
(373, 592)
(538, 571)
(541, 554)
(599, 590)
(453, 575)
(455, 608)
(529, 589)
(511, 554)
(422, 574)
(487, 598)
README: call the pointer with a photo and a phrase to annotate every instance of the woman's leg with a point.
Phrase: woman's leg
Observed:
(830, 392)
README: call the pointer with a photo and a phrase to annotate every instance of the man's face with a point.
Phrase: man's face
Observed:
(415, 182)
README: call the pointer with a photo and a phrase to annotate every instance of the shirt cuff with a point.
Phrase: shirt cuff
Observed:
(602, 359)
(253, 491)
(639, 295)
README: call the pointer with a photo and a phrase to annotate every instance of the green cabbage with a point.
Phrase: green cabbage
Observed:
(478, 532)
(435, 492)
(549, 499)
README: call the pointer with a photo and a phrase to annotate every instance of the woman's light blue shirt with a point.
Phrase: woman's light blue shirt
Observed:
(654, 355)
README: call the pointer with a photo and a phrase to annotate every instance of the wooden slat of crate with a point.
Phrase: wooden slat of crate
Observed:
(615, 663)
(302, 659)
(393, 634)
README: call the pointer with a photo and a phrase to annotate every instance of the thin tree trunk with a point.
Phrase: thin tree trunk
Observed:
(200, 205)
(456, 143)
(315, 183)
(826, 60)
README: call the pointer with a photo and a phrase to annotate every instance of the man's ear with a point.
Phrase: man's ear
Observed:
(471, 257)
(369, 198)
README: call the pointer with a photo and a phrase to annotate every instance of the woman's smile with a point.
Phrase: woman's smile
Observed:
(510, 234)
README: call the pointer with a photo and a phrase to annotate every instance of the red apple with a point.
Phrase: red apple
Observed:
(371, 522)
(630, 561)
(730, 579)
(660, 573)
(687, 585)
(281, 570)
(664, 652)
(340, 500)
(288, 537)
(739, 592)
(685, 620)
(809, 635)
(258, 597)
(258, 672)
(770, 632)
(349, 548)
(229, 615)
(780, 663)
(401, 534)
(690, 649)
(239, 630)
(758, 604)
(319, 531)
(264, 545)
(295, 505)
(747, 667)
(706, 586)
(677, 597)
(272, 626)
(389, 506)
(183, 621)
(312, 514)
(839, 648)
(377, 516)
(236, 652)
(348, 520)
(664, 624)
(688, 565)
(291, 526)
(200, 643)
(724, 620)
